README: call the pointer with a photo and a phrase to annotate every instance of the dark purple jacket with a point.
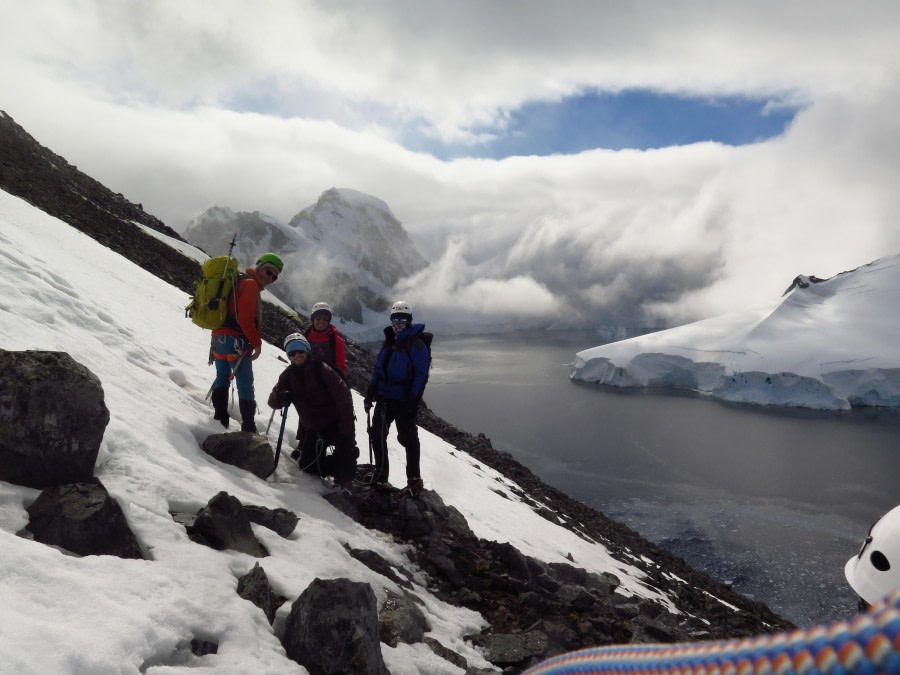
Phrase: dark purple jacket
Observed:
(321, 398)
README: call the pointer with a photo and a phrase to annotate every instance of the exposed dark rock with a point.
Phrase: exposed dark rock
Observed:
(223, 524)
(254, 586)
(378, 564)
(333, 628)
(446, 653)
(244, 450)
(514, 592)
(278, 520)
(346, 505)
(203, 647)
(52, 419)
(82, 518)
(519, 650)
(401, 620)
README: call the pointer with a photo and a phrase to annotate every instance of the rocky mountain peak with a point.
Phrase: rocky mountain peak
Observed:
(363, 228)
(348, 249)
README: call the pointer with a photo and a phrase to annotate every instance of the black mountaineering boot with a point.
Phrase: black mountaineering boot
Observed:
(248, 410)
(220, 405)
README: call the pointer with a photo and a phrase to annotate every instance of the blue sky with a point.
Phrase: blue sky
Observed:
(638, 119)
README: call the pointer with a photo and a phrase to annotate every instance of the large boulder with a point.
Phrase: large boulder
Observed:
(333, 628)
(244, 450)
(82, 518)
(52, 419)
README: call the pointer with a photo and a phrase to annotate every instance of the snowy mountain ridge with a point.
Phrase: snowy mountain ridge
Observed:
(347, 249)
(827, 344)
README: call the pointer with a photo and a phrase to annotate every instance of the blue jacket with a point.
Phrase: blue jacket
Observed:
(401, 369)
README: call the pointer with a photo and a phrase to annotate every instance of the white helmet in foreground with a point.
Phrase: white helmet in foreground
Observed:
(320, 308)
(296, 342)
(401, 307)
(875, 570)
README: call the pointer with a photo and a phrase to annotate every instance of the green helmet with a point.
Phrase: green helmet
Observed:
(272, 259)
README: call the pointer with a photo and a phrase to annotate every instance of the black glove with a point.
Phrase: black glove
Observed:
(367, 404)
(284, 398)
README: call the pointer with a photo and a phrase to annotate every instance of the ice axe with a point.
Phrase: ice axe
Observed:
(284, 412)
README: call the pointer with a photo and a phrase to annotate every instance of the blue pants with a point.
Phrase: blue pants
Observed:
(227, 349)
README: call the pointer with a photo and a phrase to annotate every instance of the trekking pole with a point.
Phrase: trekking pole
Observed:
(284, 413)
(369, 434)
(271, 417)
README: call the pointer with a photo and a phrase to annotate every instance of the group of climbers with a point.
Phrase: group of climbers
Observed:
(315, 383)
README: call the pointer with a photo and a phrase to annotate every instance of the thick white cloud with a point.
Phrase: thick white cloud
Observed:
(262, 106)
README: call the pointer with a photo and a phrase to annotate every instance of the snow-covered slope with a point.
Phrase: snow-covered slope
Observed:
(828, 344)
(61, 290)
(348, 249)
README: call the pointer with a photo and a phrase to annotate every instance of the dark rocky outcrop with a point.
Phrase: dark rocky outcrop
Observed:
(52, 419)
(446, 653)
(242, 449)
(333, 628)
(223, 524)
(378, 564)
(254, 586)
(536, 609)
(82, 518)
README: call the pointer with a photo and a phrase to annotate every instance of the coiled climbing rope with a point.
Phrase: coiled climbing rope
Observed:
(868, 643)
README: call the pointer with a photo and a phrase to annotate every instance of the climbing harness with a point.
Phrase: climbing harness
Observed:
(321, 449)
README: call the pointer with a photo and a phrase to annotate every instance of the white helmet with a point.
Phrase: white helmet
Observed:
(319, 308)
(875, 570)
(296, 342)
(401, 307)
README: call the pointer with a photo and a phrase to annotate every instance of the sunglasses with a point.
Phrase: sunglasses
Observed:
(269, 272)
(399, 320)
(296, 352)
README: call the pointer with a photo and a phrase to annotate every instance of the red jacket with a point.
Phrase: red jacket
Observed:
(321, 398)
(249, 310)
(320, 341)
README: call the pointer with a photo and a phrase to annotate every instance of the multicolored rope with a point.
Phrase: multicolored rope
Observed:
(868, 643)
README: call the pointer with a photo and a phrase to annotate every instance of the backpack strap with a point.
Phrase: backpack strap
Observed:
(231, 320)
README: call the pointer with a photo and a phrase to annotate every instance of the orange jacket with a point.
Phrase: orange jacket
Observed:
(249, 310)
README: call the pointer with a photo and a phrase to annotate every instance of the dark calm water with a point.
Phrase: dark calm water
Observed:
(772, 500)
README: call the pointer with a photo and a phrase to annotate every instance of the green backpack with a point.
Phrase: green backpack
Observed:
(208, 307)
